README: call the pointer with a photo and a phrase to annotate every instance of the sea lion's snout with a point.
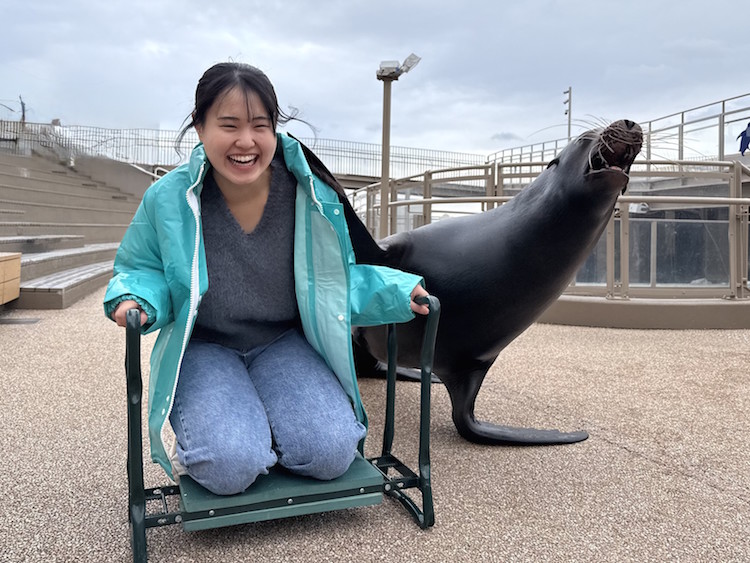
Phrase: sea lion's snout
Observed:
(617, 147)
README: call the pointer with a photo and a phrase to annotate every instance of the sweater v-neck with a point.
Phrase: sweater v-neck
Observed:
(230, 217)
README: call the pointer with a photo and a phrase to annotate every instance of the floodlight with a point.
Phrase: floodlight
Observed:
(410, 62)
(389, 66)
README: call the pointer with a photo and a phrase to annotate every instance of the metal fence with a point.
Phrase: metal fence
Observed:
(154, 147)
(655, 245)
(678, 246)
(706, 132)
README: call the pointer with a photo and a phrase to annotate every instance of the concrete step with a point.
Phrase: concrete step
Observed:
(38, 264)
(54, 176)
(36, 168)
(66, 195)
(39, 243)
(53, 182)
(116, 212)
(62, 289)
(32, 162)
(14, 212)
(88, 233)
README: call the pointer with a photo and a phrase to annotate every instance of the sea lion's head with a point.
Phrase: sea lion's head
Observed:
(603, 155)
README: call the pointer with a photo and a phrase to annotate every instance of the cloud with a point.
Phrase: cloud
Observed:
(505, 137)
(491, 73)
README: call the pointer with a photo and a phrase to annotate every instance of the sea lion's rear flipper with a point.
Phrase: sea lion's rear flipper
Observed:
(492, 434)
(463, 392)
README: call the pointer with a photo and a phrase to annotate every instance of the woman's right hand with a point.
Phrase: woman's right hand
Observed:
(121, 311)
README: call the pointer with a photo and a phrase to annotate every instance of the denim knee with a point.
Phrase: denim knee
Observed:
(230, 472)
(325, 458)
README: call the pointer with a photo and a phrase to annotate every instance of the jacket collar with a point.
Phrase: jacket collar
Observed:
(198, 165)
(293, 156)
(295, 160)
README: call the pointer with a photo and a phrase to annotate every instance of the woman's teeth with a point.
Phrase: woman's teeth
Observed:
(243, 159)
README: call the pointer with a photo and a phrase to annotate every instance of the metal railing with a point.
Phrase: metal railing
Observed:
(630, 259)
(156, 148)
(655, 245)
(699, 133)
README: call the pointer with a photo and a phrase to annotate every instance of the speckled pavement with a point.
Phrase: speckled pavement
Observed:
(665, 475)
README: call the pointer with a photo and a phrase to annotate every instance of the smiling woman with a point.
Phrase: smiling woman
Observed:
(243, 256)
(240, 143)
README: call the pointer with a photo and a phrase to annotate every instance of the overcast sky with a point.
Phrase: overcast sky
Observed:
(492, 73)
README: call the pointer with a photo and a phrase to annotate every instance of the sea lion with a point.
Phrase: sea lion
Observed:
(496, 272)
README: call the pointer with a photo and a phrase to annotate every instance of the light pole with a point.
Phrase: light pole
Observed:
(388, 72)
(569, 110)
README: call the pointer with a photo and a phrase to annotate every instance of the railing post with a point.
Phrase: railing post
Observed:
(491, 184)
(624, 251)
(734, 246)
(653, 258)
(721, 130)
(370, 210)
(427, 195)
(392, 212)
(744, 214)
(738, 238)
(648, 147)
(610, 257)
(499, 181)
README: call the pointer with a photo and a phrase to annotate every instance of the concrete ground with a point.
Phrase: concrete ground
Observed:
(665, 475)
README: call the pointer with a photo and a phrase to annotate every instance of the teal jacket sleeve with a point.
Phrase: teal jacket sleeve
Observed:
(139, 274)
(381, 295)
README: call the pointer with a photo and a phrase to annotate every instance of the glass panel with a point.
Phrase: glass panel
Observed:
(640, 251)
(594, 269)
(691, 249)
(692, 252)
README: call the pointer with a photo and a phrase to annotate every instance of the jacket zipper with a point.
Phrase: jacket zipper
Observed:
(192, 202)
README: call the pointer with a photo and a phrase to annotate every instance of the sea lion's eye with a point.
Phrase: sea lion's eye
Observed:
(554, 162)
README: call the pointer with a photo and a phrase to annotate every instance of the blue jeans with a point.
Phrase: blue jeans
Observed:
(237, 414)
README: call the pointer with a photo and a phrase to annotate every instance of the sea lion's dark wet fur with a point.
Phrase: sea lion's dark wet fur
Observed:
(497, 271)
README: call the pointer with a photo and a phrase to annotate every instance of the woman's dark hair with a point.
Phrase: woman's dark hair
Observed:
(221, 78)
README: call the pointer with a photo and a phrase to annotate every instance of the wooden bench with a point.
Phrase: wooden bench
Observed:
(10, 276)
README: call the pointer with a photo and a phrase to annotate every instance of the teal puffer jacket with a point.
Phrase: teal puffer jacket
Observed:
(161, 263)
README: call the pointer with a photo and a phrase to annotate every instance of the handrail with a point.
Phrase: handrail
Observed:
(144, 171)
(622, 199)
(740, 96)
(733, 252)
(654, 128)
(156, 147)
(649, 172)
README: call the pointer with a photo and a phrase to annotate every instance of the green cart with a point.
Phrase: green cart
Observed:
(279, 494)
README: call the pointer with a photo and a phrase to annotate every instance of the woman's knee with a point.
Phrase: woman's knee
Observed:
(325, 456)
(230, 472)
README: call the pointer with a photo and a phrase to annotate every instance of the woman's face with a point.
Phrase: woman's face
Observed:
(238, 138)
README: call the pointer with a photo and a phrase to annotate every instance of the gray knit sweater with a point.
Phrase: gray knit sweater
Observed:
(250, 298)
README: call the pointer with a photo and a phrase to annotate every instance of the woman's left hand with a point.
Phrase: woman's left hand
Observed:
(419, 291)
